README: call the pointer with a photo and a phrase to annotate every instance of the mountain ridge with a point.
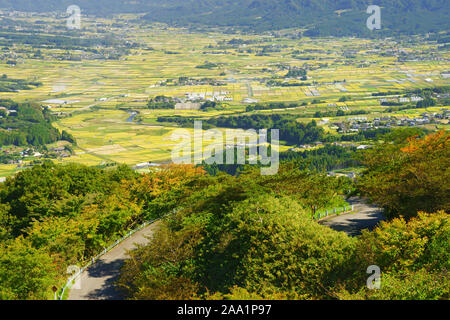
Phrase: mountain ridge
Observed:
(320, 17)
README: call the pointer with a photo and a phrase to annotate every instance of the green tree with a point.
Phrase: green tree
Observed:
(413, 256)
(25, 272)
(405, 177)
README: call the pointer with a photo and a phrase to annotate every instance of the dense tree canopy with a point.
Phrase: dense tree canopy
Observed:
(28, 124)
(53, 216)
(254, 240)
(413, 256)
(409, 175)
(290, 129)
(256, 234)
(234, 237)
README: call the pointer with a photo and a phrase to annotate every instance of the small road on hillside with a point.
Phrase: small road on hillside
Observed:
(98, 281)
(364, 216)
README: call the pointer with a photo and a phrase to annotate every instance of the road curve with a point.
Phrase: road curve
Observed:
(97, 282)
(364, 216)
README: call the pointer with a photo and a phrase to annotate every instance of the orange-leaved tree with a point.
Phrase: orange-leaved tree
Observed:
(408, 177)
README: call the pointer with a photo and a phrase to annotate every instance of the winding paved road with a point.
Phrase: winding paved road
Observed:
(364, 216)
(97, 282)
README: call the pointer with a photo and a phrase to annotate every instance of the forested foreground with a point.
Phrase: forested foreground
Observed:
(244, 237)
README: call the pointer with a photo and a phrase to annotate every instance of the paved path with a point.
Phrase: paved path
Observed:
(365, 216)
(97, 282)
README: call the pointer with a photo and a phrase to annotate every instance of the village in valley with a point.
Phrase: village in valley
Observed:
(225, 151)
(115, 94)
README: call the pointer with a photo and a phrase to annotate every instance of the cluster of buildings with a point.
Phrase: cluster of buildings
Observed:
(56, 152)
(425, 118)
(304, 147)
(402, 99)
(355, 124)
(185, 81)
(60, 152)
(211, 96)
(103, 55)
(18, 157)
(194, 100)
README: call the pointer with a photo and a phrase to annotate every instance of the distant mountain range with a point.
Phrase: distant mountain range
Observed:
(320, 17)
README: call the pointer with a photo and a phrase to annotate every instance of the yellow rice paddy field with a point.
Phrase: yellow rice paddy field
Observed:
(98, 93)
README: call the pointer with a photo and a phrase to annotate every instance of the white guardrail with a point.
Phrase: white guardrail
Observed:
(74, 277)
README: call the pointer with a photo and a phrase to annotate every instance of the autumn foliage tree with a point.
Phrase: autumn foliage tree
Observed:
(409, 176)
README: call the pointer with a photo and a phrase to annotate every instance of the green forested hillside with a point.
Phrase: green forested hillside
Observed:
(24, 124)
(54, 216)
(254, 239)
(245, 237)
(331, 17)
(321, 17)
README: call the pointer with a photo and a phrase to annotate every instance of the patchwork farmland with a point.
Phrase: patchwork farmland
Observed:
(93, 97)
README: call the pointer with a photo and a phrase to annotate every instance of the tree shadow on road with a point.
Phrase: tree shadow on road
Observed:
(354, 226)
(110, 271)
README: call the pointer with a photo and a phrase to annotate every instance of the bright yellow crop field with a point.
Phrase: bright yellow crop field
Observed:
(99, 92)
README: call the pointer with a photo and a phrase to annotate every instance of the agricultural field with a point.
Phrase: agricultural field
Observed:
(93, 95)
